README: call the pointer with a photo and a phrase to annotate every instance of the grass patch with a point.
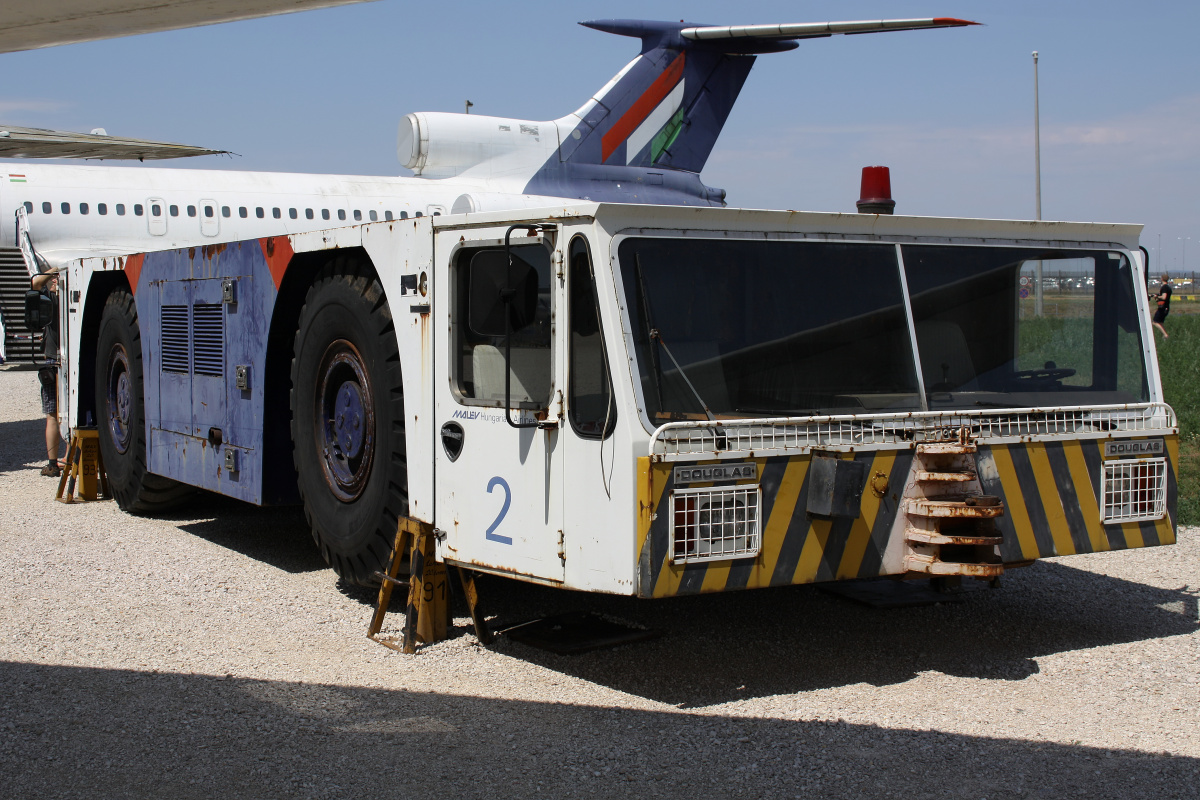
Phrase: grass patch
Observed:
(1179, 366)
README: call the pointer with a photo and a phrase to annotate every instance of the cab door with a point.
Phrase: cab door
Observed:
(499, 488)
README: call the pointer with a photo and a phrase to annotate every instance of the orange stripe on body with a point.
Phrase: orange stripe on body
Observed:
(133, 270)
(641, 108)
(277, 250)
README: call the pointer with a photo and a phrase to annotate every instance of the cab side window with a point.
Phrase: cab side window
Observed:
(591, 407)
(478, 326)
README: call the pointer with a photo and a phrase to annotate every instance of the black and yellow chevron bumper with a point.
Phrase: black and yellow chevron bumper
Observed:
(1050, 490)
(1051, 494)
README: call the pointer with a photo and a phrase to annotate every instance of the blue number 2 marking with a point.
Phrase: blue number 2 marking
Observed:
(495, 537)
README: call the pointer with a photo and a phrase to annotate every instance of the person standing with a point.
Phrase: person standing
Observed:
(1164, 305)
(47, 283)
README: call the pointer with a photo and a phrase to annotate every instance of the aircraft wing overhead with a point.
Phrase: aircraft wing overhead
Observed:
(813, 30)
(46, 23)
(41, 143)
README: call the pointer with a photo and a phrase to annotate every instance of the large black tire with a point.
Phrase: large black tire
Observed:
(346, 369)
(120, 406)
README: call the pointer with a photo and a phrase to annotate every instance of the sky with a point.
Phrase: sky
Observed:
(949, 111)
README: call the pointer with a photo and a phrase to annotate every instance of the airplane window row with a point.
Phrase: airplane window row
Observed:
(210, 212)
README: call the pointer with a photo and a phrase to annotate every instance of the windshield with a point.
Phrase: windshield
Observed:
(984, 340)
(767, 328)
(790, 328)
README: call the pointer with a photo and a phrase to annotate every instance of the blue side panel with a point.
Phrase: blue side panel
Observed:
(195, 342)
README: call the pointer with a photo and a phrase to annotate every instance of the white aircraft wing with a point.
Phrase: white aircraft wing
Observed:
(41, 143)
(45, 23)
(813, 30)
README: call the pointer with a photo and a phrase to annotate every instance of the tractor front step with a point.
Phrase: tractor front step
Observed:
(950, 528)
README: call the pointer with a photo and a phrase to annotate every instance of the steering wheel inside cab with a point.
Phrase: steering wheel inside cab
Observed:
(1049, 377)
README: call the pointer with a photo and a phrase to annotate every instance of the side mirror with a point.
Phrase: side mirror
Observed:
(39, 310)
(492, 278)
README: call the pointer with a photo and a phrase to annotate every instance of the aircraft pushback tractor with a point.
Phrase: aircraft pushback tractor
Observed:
(617, 385)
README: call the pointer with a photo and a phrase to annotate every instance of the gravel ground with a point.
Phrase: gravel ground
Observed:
(212, 653)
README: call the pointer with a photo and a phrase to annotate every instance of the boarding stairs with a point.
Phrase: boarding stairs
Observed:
(20, 343)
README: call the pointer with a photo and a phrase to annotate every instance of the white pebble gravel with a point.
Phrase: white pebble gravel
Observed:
(210, 653)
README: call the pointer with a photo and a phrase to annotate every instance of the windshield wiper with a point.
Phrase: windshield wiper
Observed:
(644, 302)
(655, 336)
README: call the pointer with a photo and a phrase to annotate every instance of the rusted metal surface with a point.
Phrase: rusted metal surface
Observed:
(949, 476)
(930, 565)
(960, 507)
(929, 537)
(950, 529)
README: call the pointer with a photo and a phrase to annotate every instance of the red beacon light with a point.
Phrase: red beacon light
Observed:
(875, 195)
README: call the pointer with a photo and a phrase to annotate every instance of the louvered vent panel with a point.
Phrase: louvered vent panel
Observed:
(175, 339)
(208, 339)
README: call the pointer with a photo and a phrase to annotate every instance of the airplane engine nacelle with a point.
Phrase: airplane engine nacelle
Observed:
(444, 145)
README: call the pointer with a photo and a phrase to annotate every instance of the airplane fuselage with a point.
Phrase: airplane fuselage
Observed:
(77, 211)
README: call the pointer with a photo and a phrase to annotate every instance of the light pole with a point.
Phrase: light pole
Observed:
(1183, 259)
(1037, 171)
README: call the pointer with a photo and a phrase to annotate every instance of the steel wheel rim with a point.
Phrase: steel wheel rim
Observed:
(119, 399)
(345, 420)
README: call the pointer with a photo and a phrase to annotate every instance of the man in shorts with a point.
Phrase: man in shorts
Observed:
(1164, 305)
(47, 283)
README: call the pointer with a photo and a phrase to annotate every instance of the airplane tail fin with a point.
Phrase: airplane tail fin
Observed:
(667, 107)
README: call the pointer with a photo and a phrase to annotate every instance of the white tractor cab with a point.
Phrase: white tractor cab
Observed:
(646, 400)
